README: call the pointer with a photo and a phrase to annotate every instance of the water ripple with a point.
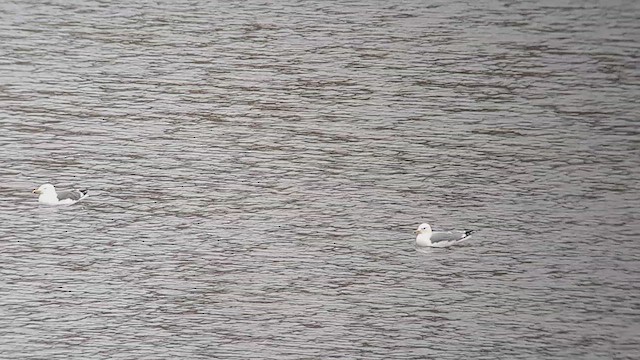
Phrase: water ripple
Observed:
(255, 172)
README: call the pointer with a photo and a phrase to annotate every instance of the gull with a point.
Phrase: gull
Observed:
(427, 237)
(49, 196)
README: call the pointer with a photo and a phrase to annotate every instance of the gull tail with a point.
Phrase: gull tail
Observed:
(84, 193)
(468, 233)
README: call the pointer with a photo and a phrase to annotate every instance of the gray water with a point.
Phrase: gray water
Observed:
(256, 169)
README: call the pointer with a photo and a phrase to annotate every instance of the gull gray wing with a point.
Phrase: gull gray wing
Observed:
(450, 237)
(74, 195)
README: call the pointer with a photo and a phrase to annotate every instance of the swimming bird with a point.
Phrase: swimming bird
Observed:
(427, 237)
(49, 196)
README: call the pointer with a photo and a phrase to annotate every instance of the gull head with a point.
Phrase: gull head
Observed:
(43, 189)
(423, 228)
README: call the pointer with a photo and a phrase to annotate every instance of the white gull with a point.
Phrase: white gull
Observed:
(49, 196)
(427, 237)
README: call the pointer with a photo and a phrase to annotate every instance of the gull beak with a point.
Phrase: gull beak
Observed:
(36, 191)
(416, 231)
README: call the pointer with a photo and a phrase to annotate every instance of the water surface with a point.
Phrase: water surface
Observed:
(255, 172)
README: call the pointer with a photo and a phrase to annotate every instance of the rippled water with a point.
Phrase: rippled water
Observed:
(256, 170)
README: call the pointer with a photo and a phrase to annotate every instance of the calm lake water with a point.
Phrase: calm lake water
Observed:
(256, 169)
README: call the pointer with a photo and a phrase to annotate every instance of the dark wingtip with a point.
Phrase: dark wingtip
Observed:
(84, 191)
(468, 232)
